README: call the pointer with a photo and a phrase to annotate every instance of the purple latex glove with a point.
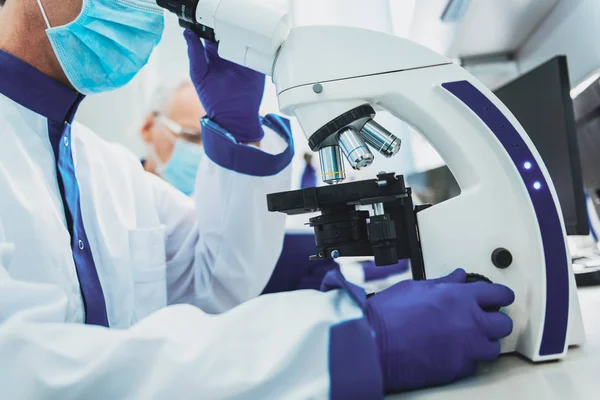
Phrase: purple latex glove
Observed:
(230, 94)
(434, 332)
(374, 273)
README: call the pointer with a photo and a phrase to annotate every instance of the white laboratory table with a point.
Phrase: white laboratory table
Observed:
(577, 377)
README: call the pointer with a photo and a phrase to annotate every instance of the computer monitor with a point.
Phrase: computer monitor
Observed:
(587, 117)
(541, 102)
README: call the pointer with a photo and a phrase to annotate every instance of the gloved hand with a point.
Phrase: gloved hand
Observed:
(374, 273)
(434, 332)
(230, 94)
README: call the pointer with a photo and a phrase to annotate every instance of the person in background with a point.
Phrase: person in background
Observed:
(173, 135)
(309, 175)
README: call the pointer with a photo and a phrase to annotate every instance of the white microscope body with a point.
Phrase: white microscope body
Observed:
(334, 79)
(507, 199)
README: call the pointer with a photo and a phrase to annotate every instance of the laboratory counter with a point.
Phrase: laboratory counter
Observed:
(577, 377)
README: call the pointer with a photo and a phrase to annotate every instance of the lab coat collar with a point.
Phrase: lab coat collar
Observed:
(34, 90)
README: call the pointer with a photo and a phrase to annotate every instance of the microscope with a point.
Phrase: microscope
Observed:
(506, 225)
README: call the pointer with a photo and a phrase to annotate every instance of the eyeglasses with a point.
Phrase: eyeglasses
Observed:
(178, 130)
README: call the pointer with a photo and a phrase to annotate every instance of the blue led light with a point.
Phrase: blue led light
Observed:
(527, 165)
(537, 185)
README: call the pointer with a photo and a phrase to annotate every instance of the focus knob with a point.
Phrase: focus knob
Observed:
(472, 278)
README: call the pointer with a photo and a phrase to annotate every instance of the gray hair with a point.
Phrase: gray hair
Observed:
(164, 93)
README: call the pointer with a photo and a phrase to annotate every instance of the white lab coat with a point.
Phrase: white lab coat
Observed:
(153, 247)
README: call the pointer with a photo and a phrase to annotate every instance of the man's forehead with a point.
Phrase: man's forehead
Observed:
(184, 104)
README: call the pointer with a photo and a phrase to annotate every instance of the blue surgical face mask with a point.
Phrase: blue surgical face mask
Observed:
(108, 43)
(182, 168)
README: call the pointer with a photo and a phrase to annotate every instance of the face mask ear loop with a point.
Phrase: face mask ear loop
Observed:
(44, 13)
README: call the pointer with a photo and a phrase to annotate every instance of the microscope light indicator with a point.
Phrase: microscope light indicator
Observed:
(537, 185)
(527, 165)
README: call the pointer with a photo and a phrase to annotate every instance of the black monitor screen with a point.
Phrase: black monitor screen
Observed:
(541, 101)
(587, 115)
(589, 140)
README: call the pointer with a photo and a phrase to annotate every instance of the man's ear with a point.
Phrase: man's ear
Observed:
(147, 128)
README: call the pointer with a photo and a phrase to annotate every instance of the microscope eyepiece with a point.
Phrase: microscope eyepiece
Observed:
(184, 9)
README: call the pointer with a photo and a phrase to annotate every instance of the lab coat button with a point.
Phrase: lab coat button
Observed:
(66, 141)
(81, 245)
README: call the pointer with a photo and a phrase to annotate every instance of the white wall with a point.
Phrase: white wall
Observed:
(573, 28)
(368, 14)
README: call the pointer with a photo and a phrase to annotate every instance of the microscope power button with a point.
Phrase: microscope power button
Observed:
(502, 258)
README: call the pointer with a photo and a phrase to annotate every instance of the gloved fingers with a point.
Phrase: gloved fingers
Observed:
(488, 350)
(398, 268)
(212, 49)
(196, 53)
(321, 269)
(496, 324)
(458, 276)
(193, 41)
(212, 56)
(469, 370)
(489, 295)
